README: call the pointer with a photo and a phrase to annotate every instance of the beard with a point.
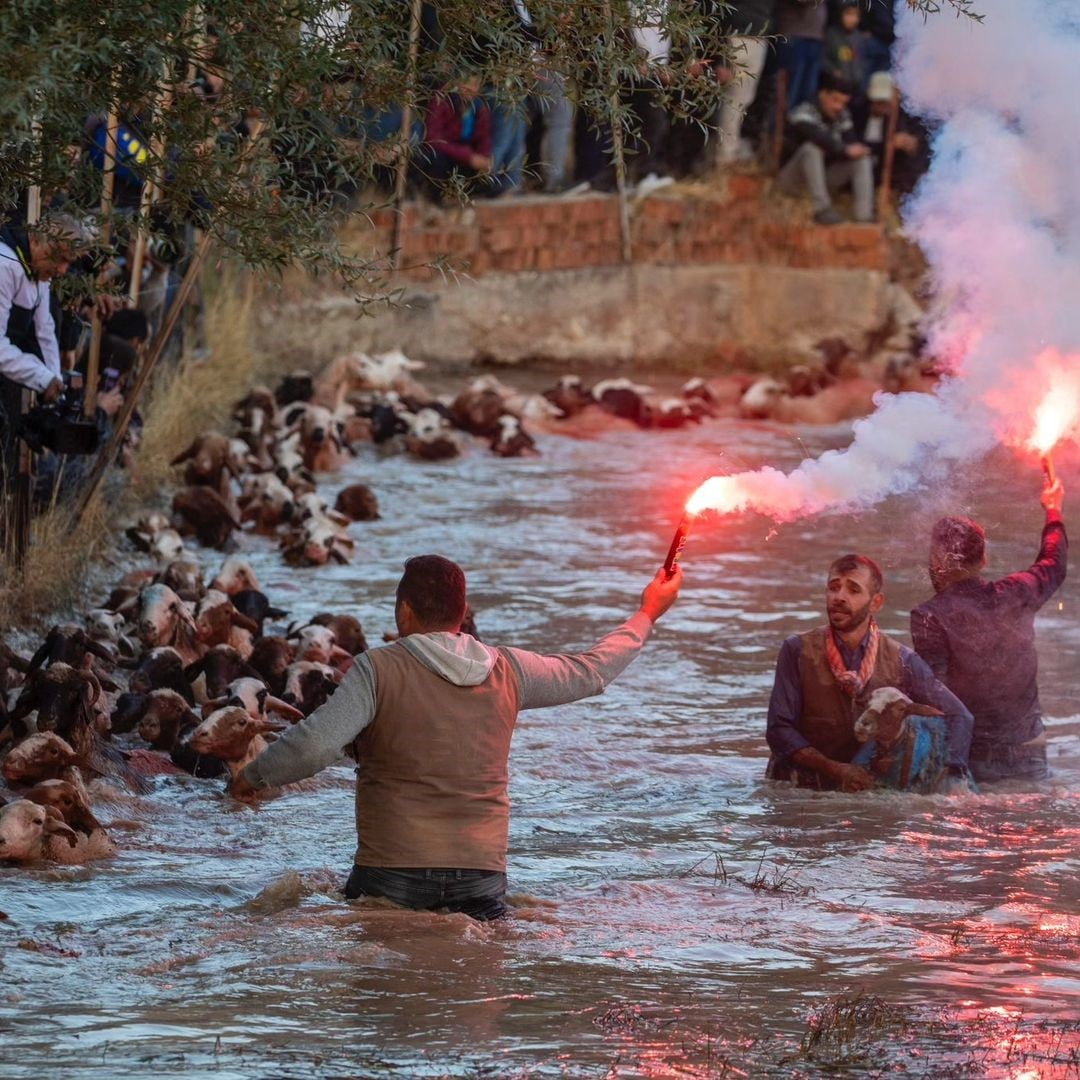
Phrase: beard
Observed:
(845, 619)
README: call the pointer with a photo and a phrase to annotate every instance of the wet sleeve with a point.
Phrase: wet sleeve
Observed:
(930, 641)
(561, 678)
(317, 741)
(1044, 577)
(786, 703)
(921, 686)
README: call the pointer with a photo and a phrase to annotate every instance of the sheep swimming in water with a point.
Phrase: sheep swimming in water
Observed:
(904, 743)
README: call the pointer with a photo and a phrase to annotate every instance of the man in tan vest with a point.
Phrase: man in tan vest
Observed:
(429, 719)
(825, 676)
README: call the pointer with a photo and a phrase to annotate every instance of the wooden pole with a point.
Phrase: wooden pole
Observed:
(618, 146)
(397, 240)
(108, 180)
(107, 455)
(123, 418)
(618, 151)
(780, 119)
(152, 185)
(20, 494)
(142, 238)
(885, 191)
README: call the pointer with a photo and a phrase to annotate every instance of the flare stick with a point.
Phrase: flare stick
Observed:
(678, 542)
(1048, 469)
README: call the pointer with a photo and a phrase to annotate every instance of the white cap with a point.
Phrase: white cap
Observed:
(880, 87)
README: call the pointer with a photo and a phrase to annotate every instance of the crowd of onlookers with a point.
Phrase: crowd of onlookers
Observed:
(820, 69)
(809, 76)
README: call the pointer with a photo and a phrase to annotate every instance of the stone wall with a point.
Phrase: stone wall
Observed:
(725, 274)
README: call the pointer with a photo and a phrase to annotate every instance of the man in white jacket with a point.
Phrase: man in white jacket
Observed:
(29, 350)
(430, 719)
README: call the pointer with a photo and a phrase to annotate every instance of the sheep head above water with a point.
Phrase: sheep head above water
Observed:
(25, 828)
(38, 757)
(885, 713)
(166, 715)
(254, 698)
(233, 735)
(68, 801)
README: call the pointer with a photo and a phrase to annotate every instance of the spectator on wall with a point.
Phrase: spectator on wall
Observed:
(458, 135)
(801, 23)
(746, 22)
(910, 144)
(879, 22)
(826, 155)
(845, 45)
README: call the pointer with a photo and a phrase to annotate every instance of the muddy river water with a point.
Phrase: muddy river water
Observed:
(675, 915)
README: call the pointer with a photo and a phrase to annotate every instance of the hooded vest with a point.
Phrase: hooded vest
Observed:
(431, 776)
(829, 713)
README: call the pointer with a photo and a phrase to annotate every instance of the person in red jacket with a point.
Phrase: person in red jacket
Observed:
(458, 134)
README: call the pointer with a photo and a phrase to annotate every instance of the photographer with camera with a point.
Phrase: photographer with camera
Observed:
(29, 348)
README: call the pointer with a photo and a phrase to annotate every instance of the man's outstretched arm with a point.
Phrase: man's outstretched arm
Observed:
(317, 741)
(564, 677)
(1044, 577)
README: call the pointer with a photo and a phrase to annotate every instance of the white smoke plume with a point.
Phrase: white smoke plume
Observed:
(998, 217)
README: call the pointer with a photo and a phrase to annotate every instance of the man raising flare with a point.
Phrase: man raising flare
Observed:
(978, 636)
(429, 719)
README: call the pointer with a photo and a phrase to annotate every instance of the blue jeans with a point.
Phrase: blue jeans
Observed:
(477, 893)
(877, 56)
(1024, 762)
(801, 59)
(508, 130)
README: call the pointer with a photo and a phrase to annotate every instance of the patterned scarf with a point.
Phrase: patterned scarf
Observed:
(852, 682)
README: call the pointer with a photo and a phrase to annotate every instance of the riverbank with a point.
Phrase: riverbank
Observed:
(707, 277)
(68, 562)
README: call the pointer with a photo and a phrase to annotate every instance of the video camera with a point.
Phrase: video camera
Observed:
(60, 426)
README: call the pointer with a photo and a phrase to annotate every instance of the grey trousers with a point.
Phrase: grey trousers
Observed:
(806, 172)
(750, 54)
(558, 113)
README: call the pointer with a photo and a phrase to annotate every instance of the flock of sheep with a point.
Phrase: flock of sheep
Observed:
(175, 673)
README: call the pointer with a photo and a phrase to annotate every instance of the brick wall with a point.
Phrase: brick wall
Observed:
(736, 224)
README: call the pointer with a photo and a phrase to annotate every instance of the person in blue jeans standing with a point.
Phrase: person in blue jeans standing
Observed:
(801, 23)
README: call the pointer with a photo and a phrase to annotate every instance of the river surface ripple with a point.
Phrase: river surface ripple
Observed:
(675, 915)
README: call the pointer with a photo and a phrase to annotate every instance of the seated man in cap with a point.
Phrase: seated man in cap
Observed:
(911, 155)
(979, 638)
(429, 719)
(825, 678)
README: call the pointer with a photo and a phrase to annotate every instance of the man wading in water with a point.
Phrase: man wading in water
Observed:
(979, 638)
(430, 719)
(825, 676)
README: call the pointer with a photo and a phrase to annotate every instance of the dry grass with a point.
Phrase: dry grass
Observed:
(197, 393)
(188, 397)
(54, 574)
(850, 1028)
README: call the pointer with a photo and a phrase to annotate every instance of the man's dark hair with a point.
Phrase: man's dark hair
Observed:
(830, 80)
(434, 588)
(847, 564)
(957, 543)
(129, 324)
(117, 354)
